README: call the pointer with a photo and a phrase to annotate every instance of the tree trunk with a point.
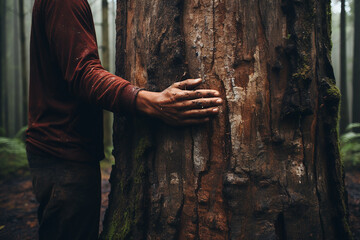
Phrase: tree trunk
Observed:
(356, 66)
(24, 71)
(15, 108)
(344, 112)
(2, 65)
(108, 116)
(268, 166)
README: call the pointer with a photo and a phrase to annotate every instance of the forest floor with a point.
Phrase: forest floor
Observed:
(18, 205)
(352, 182)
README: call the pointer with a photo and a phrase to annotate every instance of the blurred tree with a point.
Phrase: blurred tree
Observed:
(356, 66)
(105, 62)
(12, 86)
(344, 112)
(16, 102)
(2, 64)
(24, 65)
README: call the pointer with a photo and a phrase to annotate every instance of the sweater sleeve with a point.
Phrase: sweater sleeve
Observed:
(71, 35)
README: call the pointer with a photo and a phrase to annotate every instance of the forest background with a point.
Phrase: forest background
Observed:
(15, 24)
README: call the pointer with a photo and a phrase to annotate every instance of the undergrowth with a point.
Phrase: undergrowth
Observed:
(13, 160)
(350, 147)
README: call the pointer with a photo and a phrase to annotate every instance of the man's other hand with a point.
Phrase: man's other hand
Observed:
(180, 104)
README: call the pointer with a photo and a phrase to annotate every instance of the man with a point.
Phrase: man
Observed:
(68, 89)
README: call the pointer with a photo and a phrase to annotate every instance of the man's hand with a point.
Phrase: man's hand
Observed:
(179, 104)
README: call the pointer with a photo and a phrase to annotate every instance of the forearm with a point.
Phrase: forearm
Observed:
(102, 88)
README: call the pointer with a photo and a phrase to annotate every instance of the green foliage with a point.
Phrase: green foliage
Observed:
(350, 147)
(109, 159)
(21, 133)
(13, 156)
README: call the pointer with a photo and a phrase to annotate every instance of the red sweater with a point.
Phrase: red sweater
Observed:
(68, 85)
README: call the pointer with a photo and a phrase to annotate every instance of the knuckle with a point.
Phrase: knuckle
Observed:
(172, 99)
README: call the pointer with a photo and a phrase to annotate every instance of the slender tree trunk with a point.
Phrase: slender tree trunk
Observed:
(344, 112)
(108, 116)
(24, 70)
(356, 66)
(15, 83)
(268, 166)
(2, 63)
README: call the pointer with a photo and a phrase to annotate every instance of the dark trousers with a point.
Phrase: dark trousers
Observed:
(69, 194)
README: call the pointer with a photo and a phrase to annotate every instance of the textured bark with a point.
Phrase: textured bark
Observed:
(268, 166)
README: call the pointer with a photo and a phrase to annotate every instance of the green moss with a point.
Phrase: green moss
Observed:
(126, 214)
(126, 226)
(141, 147)
(330, 117)
(332, 100)
(120, 226)
(334, 92)
(303, 72)
(112, 228)
(128, 211)
(139, 174)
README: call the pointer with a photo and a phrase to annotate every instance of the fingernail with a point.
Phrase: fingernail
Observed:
(215, 109)
(217, 93)
(198, 79)
(219, 101)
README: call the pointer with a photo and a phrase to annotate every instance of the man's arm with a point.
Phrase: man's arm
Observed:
(71, 35)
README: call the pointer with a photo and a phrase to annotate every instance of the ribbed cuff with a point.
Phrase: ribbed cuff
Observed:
(132, 91)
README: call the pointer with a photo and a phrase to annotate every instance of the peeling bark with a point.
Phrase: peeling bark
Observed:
(268, 166)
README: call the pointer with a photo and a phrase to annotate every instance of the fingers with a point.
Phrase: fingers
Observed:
(194, 121)
(197, 103)
(201, 93)
(188, 84)
(199, 113)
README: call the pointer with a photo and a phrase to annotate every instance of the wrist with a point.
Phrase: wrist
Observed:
(144, 101)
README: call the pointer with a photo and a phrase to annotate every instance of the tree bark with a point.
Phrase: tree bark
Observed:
(356, 66)
(344, 112)
(268, 166)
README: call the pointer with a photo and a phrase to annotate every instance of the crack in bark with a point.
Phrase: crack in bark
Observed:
(197, 187)
(316, 178)
(178, 216)
(279, 225)
(303, 146)
(317, 136)
(214, 39)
